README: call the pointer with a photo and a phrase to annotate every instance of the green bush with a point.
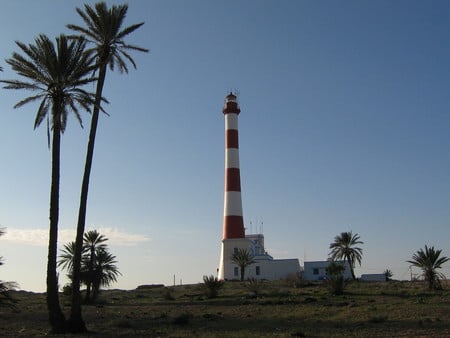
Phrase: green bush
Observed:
(335, 280)
(212, 286)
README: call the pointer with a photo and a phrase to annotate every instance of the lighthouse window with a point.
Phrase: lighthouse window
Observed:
(236, 271)
(258, 270)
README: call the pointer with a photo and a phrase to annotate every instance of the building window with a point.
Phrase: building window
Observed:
(235, 251)
(258, 270)
(236, 271)
(315, 271)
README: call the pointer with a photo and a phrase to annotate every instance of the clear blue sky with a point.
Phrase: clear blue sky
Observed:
(345, 125)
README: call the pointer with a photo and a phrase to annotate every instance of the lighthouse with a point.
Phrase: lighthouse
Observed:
(233, 224)
(233, 231)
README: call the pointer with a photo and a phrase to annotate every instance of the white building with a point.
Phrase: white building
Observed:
(318, 270)
(265, 266)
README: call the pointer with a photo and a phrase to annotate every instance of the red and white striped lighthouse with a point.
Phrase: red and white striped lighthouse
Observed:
(233, 223)
(233, 237)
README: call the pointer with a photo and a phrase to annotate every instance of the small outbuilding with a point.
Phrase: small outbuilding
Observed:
(318, 270)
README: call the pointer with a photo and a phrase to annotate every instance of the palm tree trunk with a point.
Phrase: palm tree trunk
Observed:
(76, 320)
(90, 275)
(56, 317)
(242, 273)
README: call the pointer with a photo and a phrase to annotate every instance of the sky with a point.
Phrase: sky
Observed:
(344, 126)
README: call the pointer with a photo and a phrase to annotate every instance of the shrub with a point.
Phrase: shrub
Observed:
(295, 280)
(168, 294)
(67, 290)
(254, 286)
(212, 285)
(182, 319)
(335, 279)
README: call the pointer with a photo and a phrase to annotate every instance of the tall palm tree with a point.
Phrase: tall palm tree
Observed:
(344, 247)
(429, 261)
(242, 258)
(94, 243)
(56, 75)
(104, 30)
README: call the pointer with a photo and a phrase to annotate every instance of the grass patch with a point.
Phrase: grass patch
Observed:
(280, 310)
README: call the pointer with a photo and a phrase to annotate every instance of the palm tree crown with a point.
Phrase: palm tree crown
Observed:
(429, 261)
(104, 30)
(242, 258)
(344, 247)
(57, 76)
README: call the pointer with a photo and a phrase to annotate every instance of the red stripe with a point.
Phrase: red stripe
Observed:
(231, 138)
(233, 227)
(232, 179)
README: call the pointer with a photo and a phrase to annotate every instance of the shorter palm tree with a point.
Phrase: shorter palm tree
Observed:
(242, 258)
(105, 271)
(344, 247)
(98, 265)
(93, 241)
(429, 261)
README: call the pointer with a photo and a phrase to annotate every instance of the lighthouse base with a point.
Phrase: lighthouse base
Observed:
(265, 267)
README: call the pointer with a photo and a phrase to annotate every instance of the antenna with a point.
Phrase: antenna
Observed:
(237, 92)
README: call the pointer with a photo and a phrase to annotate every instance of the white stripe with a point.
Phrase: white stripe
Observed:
(231, 158)
(231, 121)
(233, 203)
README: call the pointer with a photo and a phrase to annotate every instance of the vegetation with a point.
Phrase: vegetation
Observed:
(255, 286)
(56, 74)
(242, 258)
(429, 261)
(335, 279)
(344, 247)
(388, 274)
(212, 285)
(6, 287)
(396, 309)
(103, 28)
(98, 267)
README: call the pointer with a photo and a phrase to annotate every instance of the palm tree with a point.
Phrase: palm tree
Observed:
(98, 267)
(104, 30)
(57, 75)
(429, 261)
(93, 243)
(344, 247)
(105, 271)
(242, 258)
